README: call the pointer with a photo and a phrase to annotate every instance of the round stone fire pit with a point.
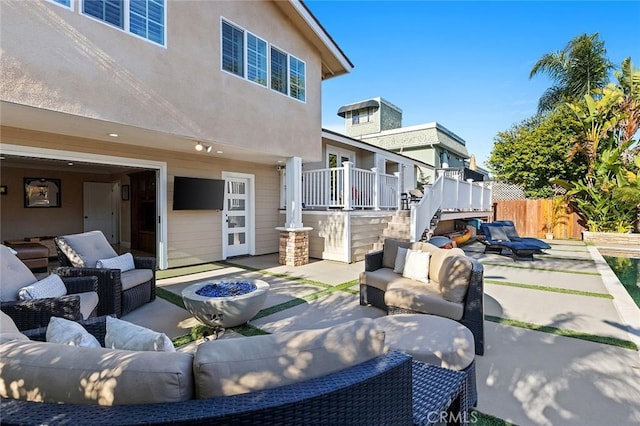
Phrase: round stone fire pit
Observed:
(225, 303)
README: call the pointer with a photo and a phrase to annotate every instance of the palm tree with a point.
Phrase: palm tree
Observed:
(576, 70)
(629, 82)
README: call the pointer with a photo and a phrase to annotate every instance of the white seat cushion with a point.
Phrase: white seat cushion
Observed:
(76, 375)
(247, 364)
(431, 339)
(135, 277)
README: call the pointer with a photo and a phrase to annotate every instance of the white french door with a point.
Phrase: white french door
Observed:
(238, 226)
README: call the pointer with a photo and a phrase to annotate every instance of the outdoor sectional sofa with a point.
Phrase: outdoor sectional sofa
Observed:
(454, 289)
(343, 377)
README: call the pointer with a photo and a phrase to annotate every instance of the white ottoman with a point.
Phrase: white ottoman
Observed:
(433, 340)
(429, 338)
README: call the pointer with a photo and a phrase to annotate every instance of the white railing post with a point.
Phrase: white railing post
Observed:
(347, 185)
(376, 188)
(469, 181)
(398, 175)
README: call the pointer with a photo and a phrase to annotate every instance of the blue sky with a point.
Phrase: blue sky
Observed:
(463, 64)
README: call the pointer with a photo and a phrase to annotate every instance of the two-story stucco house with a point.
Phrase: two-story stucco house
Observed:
(111, 100)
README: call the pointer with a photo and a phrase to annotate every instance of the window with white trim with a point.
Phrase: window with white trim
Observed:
(65, 3)
(296, 78)
(278, 71)
(256, 60)
(232, 49)
(144, 18)
(252, 58)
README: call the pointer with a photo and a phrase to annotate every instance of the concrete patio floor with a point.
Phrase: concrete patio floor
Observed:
(525, 377)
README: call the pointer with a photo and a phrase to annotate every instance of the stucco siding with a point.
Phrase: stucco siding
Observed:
(61, 60)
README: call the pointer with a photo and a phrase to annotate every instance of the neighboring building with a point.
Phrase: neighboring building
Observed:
(112, 98)
(379, 122)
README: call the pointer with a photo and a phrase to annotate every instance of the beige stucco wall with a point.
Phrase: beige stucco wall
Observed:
(61, 60)
(193, 237)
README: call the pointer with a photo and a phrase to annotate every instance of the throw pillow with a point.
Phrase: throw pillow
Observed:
(416, 265)
(52, 286)
(400, 260)
(70, 333)
(125, 335)
(124, 262)
(454, 278)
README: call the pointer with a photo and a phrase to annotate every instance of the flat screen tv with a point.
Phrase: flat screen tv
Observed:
(198, 194)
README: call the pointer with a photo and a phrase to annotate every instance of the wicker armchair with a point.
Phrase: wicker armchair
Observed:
(119, 292)
(29, 314)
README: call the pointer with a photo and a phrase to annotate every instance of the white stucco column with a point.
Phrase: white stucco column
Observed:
(293, 193)
(294, 237)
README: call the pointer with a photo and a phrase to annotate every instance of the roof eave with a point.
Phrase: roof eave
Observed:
(334, 61)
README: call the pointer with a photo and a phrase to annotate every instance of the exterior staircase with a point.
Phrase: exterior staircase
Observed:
(398, 228)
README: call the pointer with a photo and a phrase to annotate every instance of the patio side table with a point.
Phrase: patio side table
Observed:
(439, 395)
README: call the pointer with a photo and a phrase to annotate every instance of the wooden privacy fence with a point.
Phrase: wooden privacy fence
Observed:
(532, 216)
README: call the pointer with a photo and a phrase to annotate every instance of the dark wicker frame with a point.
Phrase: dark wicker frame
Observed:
(378, 391)
(472, 317)
(29, 314)
(113, 300)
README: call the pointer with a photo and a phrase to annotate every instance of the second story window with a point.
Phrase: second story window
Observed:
(232, 49)
(252, 58)
(297, 78)
(256, 60)
(144, 18)
(278, 71)
(66, 3)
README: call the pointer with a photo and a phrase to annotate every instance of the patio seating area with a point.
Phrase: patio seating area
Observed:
(559, 348)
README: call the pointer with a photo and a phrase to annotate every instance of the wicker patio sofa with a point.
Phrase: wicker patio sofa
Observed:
(383, 288)
(376, 391)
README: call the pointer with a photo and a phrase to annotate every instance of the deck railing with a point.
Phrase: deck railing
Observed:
(364, 189)
(350, 188)
(448, 194)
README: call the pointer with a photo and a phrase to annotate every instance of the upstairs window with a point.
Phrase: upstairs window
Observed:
(252, 58)
(256, 60)
(66, 3)
(278, 71)
(232, 49)
(110, 11)
(297, 78)
(144, 18)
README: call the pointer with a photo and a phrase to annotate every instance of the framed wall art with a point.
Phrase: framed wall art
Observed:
(42, 192)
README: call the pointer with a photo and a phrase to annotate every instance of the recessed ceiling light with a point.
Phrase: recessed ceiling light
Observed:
(113, 135)
(70, 163)
(218, 152)
(280, 161)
